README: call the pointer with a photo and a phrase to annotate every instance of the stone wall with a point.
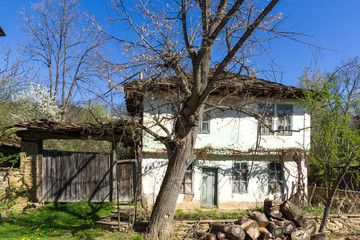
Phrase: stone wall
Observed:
(12, 178)
(9, 177)
(30, 153)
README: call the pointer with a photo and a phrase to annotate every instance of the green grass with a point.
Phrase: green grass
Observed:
(200, 214)
(57, 221)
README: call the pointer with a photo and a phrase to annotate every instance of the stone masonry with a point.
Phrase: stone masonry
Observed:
(30, 154)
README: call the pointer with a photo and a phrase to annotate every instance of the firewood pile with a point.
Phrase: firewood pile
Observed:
(279, 220)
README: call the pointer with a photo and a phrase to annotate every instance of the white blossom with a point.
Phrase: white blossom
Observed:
(36, 102)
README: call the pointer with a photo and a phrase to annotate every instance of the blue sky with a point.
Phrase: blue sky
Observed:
(334, 25)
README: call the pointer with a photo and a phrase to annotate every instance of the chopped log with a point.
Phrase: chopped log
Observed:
(208, 236)
(290, 210)
(221, 235)
(259, 217)
(272, 208)
(275, 230)
(278, 238)
(236, 233)
(242, 220)
(264, 233)
(200, 232)
(251, 229)
(300, 221)
(318, 236)
(310, 227)
(288, 226)
(192, 230)
(220, 227)
(250, 222)
(300, 234)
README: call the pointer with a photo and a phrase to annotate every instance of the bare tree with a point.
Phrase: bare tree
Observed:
(68, 46)
(197, 41)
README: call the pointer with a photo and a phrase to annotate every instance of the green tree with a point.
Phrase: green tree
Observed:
(333, 100)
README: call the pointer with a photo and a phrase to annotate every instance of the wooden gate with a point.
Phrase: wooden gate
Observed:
(79, 177)
(126, 180)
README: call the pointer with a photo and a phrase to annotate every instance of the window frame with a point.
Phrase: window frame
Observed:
(278, 171)
(205, 121)
(190, 171)
(240, 170)
(274, 118)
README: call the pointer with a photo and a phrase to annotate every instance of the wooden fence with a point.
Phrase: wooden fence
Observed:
(345, 201)
(80, 177)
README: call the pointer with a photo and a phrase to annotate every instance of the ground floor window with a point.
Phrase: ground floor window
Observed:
(276, 177)
(240, 177)
(186, 186)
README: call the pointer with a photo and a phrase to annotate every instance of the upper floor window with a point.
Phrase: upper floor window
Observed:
(277, 117)
(205, 123)
(276, 179)
(186, 186)
(240, 177)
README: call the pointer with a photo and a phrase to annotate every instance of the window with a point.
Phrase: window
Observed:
(278, 117)
(240, 177)
(186, 186)
(205, 123)
(275, 173)
(284, 113)
(267, 112)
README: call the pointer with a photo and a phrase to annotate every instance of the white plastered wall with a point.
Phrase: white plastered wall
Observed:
(154, 170)
(229, 131)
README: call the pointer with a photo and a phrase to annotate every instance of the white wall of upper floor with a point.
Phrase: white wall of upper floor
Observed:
(230, 130)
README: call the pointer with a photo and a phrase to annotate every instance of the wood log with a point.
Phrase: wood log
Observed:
(259, 217)
(200, 232)
(236, 233)
(278, 238)
(264, 233)
(220, 227)
(318, 236)
(208, 236)
(310, 227)
(300, 221)
(250, 222)
(275, 230)
(288, 226)
(272, 208)
(242, 220)
(251, 229)
(221, 235)
(290, 210)
(299, 234)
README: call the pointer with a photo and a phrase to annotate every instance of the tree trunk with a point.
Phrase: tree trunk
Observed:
(180, 154)
(331, 196)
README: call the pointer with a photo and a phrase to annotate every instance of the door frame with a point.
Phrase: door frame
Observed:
(216, 186)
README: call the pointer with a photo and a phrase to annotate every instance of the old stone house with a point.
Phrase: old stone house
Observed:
(247, 150)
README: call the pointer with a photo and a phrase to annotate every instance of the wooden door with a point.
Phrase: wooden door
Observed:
(209, 187)
(126, 180)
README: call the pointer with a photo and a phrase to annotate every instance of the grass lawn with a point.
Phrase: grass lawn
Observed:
(61, 221)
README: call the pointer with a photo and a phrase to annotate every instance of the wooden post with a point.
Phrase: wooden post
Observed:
(113, 175)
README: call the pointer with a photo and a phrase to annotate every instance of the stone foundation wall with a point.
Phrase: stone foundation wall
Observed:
(9, 177)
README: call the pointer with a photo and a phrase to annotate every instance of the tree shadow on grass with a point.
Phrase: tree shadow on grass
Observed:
(70, 217)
